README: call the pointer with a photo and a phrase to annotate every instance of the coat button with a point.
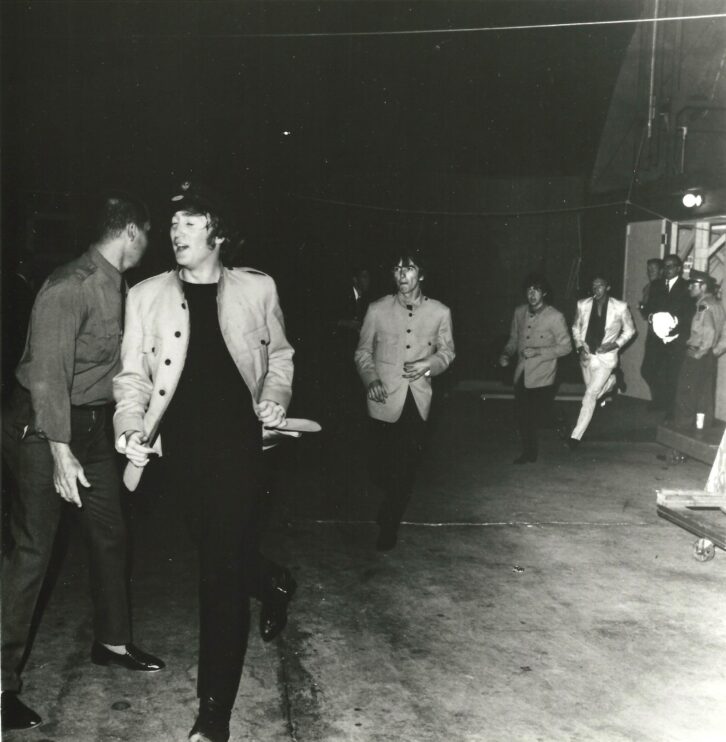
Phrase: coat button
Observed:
(168, 362)
(263, 342)
(410, 314)
(407, 347)
(153, 350)
(408, 330)
(184, 305)
(177, 334)
(162, 392)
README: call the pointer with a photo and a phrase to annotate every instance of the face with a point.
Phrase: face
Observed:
(654, 271)
(535, 297)
(407, 277)
(190, 240)
(672, 268)
(138, 242)
(696, 289)
(600, 288)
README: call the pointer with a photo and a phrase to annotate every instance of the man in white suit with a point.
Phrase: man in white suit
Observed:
(406, 339)
(603, 325)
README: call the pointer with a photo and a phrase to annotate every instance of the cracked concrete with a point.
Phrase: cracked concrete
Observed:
(540, 602)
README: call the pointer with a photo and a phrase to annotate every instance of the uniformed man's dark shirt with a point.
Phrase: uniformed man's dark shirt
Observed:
(72, 351)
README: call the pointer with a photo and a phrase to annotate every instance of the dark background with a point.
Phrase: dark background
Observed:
(476, 147)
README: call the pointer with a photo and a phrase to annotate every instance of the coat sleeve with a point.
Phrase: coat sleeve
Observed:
(628, 330)
(578, 331)
(364, 352)
(445, 353)
(277, 385)
(133, 385)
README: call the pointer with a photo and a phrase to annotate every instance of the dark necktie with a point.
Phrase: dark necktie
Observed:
(122, 291)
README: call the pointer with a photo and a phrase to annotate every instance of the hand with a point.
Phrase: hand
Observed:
(271, 414)
(136, 451)
(504, 360)
(530, 352)
(413, 370)
(583, 351)
(67, 472)
(377, 391)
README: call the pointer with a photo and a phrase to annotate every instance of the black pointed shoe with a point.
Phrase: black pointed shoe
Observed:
(212, 724)
(16, 715)
(273, 612)
(132, 659)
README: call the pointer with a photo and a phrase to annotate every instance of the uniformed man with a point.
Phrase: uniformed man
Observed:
(406, 338)
(696, 382)
(205, 365)
(60, 427)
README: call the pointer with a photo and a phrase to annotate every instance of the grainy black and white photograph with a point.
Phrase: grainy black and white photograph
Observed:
(363, 370)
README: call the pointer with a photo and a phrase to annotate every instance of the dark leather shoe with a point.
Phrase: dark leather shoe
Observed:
(273, 612)
(132, 659)
(212, 724)
(16, 715)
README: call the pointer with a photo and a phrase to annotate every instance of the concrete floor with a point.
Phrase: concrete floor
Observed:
(540, 602)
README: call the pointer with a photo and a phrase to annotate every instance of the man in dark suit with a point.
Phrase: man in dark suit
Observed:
(671, 295)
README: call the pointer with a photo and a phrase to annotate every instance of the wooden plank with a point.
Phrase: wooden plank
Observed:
(691, 498)
(709, 524)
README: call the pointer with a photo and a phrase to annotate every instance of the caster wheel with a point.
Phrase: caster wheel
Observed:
(704, 550)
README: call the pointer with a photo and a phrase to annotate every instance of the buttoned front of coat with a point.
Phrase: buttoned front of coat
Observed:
(156, 339)
(545, 332)
(393, 334)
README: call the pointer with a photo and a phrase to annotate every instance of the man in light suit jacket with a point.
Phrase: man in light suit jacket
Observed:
(603, 325)
(537, 338)
(205, 362)
(406, 339)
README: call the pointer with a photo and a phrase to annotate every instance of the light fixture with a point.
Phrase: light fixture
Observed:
(692, 199)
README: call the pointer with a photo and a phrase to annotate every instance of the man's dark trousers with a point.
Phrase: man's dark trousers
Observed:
(534, 409)
(36, 512)
(696, 391)
(396, 453)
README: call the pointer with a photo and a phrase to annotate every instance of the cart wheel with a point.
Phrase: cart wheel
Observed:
(704, 550)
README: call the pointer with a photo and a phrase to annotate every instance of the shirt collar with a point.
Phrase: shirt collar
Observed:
(109, 270)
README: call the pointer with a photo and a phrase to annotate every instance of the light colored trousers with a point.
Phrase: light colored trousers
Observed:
(599, 380)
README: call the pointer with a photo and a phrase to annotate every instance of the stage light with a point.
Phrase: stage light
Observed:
(692, 199)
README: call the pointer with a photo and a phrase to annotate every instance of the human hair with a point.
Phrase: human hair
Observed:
(410, 258)
(221, 226)
(113, 212)
(658, 262)
(538, 281)
(674, 257)
(600, 277)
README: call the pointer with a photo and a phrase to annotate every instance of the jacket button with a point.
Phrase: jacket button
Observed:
(184, 306)
(162, 392)
(407, 347)
(168, 362)
(408, 330)
(410, 314)
(263, 342)
(177, 334)
(153, 350)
